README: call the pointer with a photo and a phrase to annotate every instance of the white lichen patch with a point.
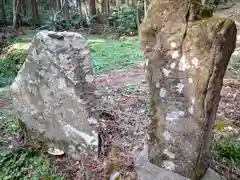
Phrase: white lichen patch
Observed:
(157, 85)
(114, 175)
(147, 62)
(193, 100)
(97, 93)
(183, 64)
(41, 73)
(190, 109)
(145, 71)
(169, 154)
(175, 54)
(190, 80)
(62, 85)
(167, 135)
(72, 147)
(169, 165)
(195, 62)
(166, 72)
(163, 92)
(89, 140)
(92, 120)
(173, 65)
(174, 115)
(180, 87)
(173, 45)
(89, 78)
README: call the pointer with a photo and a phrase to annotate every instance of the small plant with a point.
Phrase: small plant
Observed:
(220, 125)
(131, 89)
(21, 163)
(10, 65)
(228, 148)
(125, 19)
(148, 108)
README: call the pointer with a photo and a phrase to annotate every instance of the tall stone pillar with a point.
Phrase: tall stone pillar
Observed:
(186, 61)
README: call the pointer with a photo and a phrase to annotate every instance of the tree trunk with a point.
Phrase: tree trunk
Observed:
(79, 6)
(24, 7)
(35, 16)
(92, 7)
(103, 10)
(113, 2)
(59, 4)
(3, 12)
(66, 11)
(16, 15)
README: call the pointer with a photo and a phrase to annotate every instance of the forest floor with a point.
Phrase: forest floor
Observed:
(119, 75)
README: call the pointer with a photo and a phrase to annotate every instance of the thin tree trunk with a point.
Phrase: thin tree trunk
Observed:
(24, 7)
(3, 12)
(35, 16)
(92, 7)
(113, 2)
(66, 11)
(79, 6)
(16, 15)
(59, 4)
(145, 7)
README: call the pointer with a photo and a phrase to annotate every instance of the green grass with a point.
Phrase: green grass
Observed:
(227, 150)
(109, 54)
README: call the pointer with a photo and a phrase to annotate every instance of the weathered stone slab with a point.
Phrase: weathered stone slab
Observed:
(149, 171)
(53, 93)
(152, 172)
(212, 175)
(187, 58)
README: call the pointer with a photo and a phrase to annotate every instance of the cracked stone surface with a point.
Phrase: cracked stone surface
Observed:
(53, 94)
(186, 61)
(149, 171)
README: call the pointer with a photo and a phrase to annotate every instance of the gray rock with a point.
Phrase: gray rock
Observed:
(149, 171)
(53, 93)
(152, 172)
(212, 175)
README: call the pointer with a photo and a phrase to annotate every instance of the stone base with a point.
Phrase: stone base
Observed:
(151, 172)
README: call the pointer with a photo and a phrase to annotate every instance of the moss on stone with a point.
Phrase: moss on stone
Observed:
(220, 125)
(21, 124)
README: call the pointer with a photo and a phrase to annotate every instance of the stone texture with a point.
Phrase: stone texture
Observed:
(149, 171)
(53, 93)
(152, 172)
(187, 58)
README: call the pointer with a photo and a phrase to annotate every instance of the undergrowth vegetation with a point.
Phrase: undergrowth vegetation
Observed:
(21, 163)
(228, 149)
